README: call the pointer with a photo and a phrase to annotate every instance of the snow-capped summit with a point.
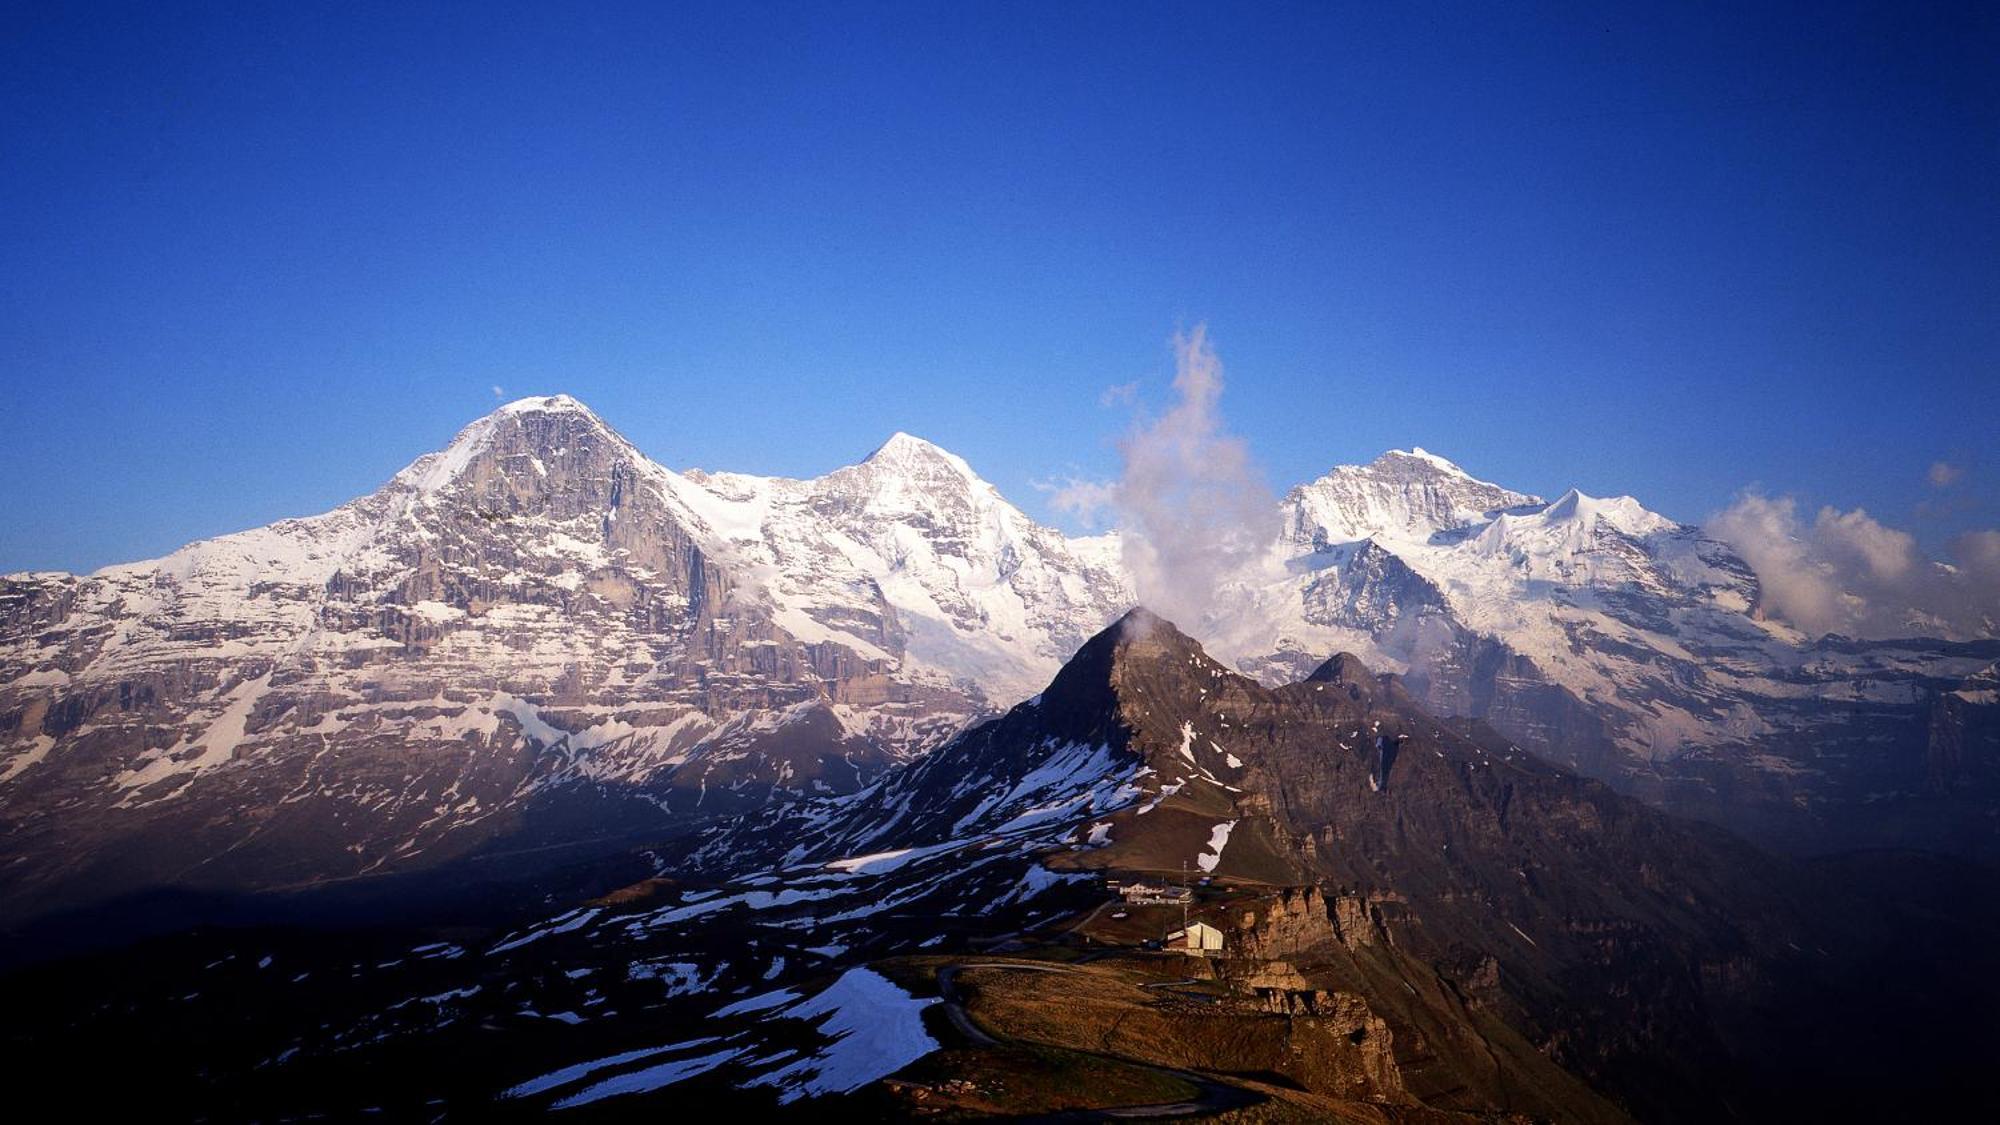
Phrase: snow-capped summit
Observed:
(981, 595)
(907, 451)
(1621, 512)
(1401, 495)
(529, 433)
(545, 404)
(1442, 464)
(906, 473)
(1572, 526)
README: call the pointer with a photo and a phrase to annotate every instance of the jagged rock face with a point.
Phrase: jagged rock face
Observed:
(1642, 954)
(1609, 639)
(1355, 1047)
(1459, 850)
(1427, 884)
(535, 636)
(1300, 919)
(1964, 752)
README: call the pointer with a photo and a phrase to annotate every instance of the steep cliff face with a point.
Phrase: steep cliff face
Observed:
(1965, 735)
(1610, 639)
(1484, 930)
(1299, 920)
(534, 637)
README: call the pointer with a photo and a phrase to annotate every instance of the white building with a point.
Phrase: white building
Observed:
(1200, 939)
(1147, 894)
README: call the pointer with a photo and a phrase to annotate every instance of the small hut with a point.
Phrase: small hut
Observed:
(1199, 939)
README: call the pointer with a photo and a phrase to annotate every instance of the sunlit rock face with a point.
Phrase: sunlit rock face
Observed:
(533, 636)
(1608, 638)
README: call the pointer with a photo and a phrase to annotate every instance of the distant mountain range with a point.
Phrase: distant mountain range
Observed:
(1410, 922)
(539, 641)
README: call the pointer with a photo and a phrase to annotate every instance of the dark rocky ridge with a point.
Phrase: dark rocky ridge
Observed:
(1672, 967)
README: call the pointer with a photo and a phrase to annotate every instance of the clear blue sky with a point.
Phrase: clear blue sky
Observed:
(254, 258)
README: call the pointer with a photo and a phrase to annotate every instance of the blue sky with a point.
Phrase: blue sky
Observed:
(254, 258)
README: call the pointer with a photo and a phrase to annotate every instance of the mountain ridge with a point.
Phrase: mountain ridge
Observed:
(1417, 922)
(575, 634)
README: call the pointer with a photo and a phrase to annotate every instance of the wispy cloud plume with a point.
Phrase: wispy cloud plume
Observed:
(1847, 572)
(1192, 508)
(1090, 501)
(1944, 474)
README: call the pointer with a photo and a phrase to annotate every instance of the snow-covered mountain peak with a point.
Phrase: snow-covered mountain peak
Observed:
(541, 595)
(1419, 453)
(911, 558)
(910, 477)
(922, 463)
(1621, 512)
(546, 404)
(526, 439)
(903, 448)
(1576, 524)
(1419, 464)
(1402, 494)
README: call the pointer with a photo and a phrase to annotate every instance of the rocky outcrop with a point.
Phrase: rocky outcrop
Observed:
(1964, 747)
(1298, 920)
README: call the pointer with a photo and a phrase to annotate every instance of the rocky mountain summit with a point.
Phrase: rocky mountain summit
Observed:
(538, 641)
(1598, 930)
(1610, 639)
(535, 636)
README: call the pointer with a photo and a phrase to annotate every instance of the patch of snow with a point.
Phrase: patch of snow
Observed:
(757, 1003)
(569, 1074)
(650, 1078)
(561, 924)
(1218, 839)
(874, 1029)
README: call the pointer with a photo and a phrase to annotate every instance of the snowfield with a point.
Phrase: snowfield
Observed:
(873, 1027)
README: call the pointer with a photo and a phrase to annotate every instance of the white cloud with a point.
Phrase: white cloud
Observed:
(1887, 554)
(1191, 504)
(499, 393)
(1978, 554)
(1123, 394)
(1846, 572)
(1087, 500)
(1944, 474)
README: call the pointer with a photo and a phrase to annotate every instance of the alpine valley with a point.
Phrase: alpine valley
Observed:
(550, 778)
